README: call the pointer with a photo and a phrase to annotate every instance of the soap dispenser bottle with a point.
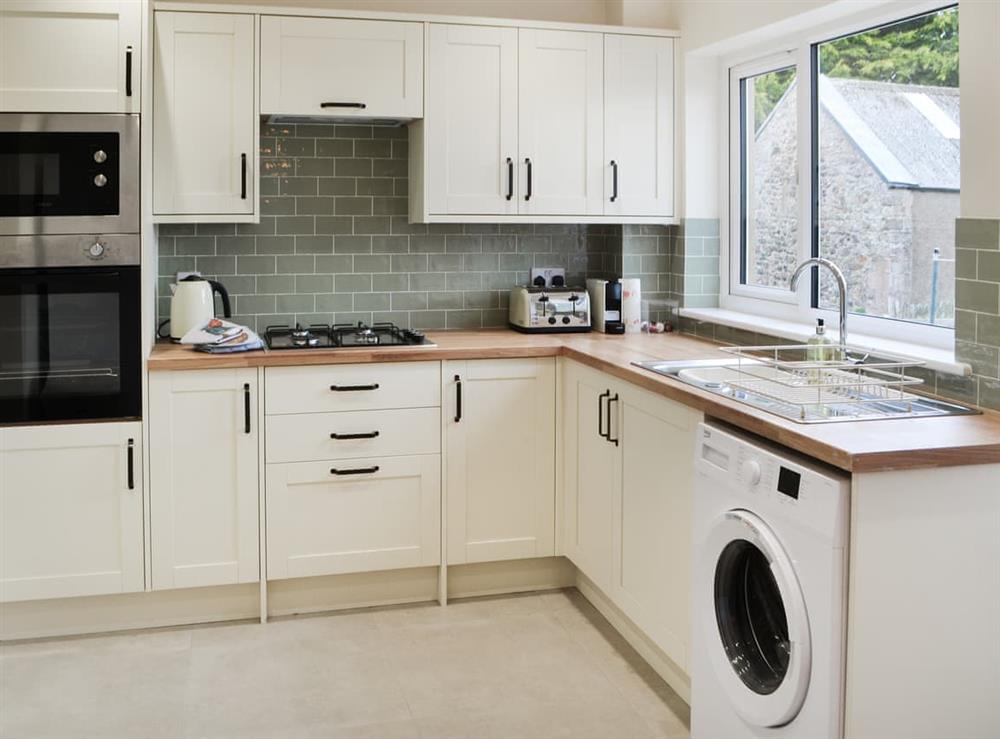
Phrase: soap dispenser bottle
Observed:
(818, 349)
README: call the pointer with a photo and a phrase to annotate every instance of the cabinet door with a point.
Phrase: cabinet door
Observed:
(560, 122)
(346, 68)
(70, 56)
(500, 446)
(70, 510)
(353, 515)
(203, 431)
(590, 468)
(471, 120)
(204, 126)
(638, 126)
(652, 517)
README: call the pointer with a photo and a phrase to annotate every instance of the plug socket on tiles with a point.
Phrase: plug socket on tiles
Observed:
(550, 276)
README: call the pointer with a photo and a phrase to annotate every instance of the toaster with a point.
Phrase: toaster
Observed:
(549, 309)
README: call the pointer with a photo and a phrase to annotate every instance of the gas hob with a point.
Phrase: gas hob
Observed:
(342, 336)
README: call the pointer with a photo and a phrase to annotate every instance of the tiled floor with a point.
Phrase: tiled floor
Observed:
(542, 666)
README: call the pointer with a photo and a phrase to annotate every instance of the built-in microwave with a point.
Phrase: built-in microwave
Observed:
(69, 173)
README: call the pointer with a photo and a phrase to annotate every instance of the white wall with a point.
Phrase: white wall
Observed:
(979, 67)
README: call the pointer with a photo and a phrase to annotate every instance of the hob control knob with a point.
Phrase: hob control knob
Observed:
(100, 156)
(100, 180)
(552, 319)
(96, 250)
(566, 319)
(751, 472)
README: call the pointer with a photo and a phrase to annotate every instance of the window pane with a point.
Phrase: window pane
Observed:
(888, 146)
(769, 182)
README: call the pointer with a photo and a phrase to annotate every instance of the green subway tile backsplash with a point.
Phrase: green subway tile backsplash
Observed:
(334, 245)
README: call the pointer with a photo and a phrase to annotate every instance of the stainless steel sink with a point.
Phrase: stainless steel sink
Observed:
(723, 377)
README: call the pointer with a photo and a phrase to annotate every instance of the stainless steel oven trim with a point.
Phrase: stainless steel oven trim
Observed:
(72, 250)
(127, 127)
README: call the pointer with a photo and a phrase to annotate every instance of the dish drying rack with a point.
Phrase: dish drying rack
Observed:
(784, 374)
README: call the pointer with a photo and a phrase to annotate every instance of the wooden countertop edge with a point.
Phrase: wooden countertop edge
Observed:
(177, 358)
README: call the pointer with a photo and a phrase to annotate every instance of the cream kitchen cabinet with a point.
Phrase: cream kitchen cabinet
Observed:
(205, 122)
(560, 126)
(70, 510)
(500, 458)
(638, 126)
(629, 465)
(204, 491)
(651, 539)
(353, 515)
(70, 56)
(544, 125)
(470, 122)
(342, 67)
(590, 467)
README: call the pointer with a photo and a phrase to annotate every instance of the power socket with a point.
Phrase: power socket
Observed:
(548, 273)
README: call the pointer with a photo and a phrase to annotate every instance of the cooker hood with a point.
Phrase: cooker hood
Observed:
(281, 120)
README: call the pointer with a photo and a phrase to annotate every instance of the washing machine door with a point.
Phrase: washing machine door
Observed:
(759, 641)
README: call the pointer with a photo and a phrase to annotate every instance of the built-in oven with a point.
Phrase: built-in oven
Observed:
(69, 173)
(69, 329)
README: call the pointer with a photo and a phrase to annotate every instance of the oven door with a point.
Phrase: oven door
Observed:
(69, 344)
(68, 174)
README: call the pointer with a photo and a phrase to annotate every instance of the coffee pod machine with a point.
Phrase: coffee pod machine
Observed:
(606, 305)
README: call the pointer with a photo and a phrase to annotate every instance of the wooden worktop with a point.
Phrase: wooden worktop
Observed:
(861, 446)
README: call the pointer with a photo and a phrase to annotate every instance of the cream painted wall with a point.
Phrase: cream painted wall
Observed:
(979, 61)
(566, 11)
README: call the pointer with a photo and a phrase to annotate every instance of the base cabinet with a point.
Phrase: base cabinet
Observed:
(628, 471)
(500, 449)
(355, 515)
(204, 491)
(70, 510)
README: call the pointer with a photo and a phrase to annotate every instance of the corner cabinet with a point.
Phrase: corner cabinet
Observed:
(204, 480)
(500, 459)
(70, 56)
(341, 67)
(629, 466)
(542, 125)
(70, 510)
(205, 123)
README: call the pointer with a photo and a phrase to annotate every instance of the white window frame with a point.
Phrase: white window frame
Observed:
(777, 303)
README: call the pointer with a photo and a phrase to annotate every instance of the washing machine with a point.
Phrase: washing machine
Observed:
(770, 580)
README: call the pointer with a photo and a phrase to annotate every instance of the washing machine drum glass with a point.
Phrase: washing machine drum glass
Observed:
(751, 617)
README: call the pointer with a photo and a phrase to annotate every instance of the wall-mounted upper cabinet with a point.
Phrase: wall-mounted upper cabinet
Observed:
(639, 125)
(343, 68)
(589, 116)
(205, 122)
(70, 56)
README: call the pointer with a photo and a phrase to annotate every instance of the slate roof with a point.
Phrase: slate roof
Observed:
(910, 133)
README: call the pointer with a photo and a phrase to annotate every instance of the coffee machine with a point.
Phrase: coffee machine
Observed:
(606, 305)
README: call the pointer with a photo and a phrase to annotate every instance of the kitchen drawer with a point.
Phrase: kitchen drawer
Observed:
(352, 387)
(306, 437)
(378, 514)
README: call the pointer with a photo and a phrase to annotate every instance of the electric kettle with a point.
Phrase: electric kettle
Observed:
(193, 304)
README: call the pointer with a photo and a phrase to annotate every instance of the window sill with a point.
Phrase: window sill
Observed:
(938, 360)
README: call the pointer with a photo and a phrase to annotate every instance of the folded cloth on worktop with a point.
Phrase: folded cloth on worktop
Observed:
(222, 337)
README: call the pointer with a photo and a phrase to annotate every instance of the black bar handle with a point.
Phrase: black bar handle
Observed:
(130, 459)
(369, 435)
(243, 176)
(527, 195)
(353, 388)
(510, 178)
(458, 398)
(355, 471)
(246, 407)
(614, 180)
(600, 413)
(608, 437)
(128, 71)
(360, 106)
